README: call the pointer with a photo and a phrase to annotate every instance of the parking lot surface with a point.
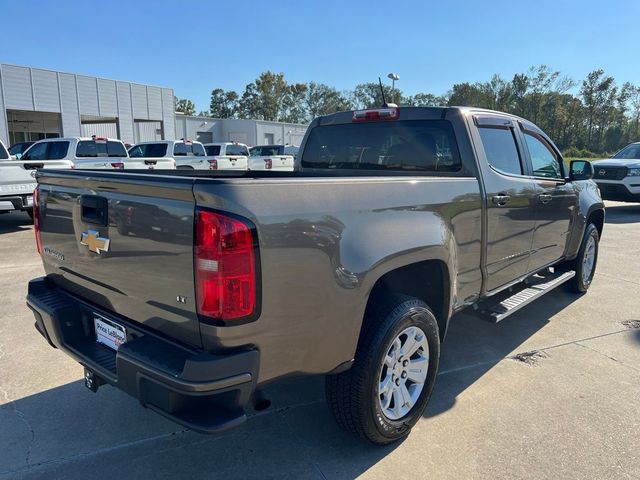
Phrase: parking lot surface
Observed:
(551, 392)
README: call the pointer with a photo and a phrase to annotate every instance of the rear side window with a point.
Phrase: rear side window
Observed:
(148, 150)
(97, 148)
(410, 145)
(237, 150)
(198, 150)
(4, 154)
(501, 149)
(57, 150)
(212, 150)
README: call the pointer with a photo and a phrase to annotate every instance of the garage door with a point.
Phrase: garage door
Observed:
(204, 137)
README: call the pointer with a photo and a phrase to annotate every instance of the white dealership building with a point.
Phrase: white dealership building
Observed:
(37, 103)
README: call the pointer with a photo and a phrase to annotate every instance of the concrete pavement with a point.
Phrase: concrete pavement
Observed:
(551, 392)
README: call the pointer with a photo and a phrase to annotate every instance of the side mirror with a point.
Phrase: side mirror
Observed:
(580, 170)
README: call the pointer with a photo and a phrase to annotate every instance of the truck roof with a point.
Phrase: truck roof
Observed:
(422, 113)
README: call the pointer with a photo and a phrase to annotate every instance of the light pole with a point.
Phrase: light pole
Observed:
(393, 77)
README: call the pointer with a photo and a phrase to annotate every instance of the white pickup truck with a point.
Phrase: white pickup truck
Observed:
(227, 155)
(272, 157)
(92, 153)
(187, 154)
(17, 180)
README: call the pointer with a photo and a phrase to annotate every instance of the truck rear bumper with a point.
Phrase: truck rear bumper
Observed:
(16, 202)
(203, 392)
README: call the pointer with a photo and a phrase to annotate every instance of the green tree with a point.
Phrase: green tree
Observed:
(184, 105)
(321, 99)
(369, 95)
(598, 94)
(224, 104)
(264, 98)
(294, 104)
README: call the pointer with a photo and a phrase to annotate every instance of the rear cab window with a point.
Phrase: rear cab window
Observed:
(266, 150)
(148, 150)
(212, 150)
(237, 150)
(100, 148)
(404, 145)
(4, 155)
(188, 149)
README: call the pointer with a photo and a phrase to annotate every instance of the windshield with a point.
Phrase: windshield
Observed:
(630, 151)
(427, 145)
(212, 150)
(148, 150)
(98, 148)
(19, 148)
(266, 150)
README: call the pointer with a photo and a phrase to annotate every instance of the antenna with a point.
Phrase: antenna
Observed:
(384, 101)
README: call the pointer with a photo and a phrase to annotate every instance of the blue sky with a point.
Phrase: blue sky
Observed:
(195, 46)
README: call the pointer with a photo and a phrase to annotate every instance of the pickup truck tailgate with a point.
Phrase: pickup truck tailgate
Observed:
(125, 243)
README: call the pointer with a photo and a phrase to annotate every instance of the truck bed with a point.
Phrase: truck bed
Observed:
(345, 231)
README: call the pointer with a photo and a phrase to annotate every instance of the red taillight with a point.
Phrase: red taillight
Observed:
(119, 165)
(268, 163)
(213, 164)
(225, 264)
(376, 114)
(36, 219)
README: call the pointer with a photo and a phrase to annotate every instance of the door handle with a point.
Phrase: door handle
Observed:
(500, 199)
(545, 197)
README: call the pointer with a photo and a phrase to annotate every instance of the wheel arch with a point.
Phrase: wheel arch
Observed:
(427, 280)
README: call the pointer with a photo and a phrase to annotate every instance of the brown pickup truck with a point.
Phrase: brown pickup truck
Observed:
(191, 290)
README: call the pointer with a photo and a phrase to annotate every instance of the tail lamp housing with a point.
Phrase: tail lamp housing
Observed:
(36, 219)
(226, 266)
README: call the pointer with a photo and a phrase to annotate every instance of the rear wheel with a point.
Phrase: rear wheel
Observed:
(586, 261)
(388, 387)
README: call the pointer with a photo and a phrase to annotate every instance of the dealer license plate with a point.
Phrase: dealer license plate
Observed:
(109, 333)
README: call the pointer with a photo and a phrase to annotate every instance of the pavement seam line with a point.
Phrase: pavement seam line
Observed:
(513, 357)
(619, 362)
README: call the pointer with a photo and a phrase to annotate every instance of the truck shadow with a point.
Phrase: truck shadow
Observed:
(622, 214)
(473, 347)
(69, 432)
(14, 222)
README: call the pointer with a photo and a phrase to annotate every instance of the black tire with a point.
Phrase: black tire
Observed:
(352, 395)
(578, 284)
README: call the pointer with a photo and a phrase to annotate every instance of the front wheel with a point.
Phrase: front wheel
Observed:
(585, 262)
(388, 387)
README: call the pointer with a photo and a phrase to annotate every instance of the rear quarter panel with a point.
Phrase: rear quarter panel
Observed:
(324, 242)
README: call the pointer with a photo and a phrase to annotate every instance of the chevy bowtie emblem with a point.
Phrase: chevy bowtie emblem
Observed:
(94, 241)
